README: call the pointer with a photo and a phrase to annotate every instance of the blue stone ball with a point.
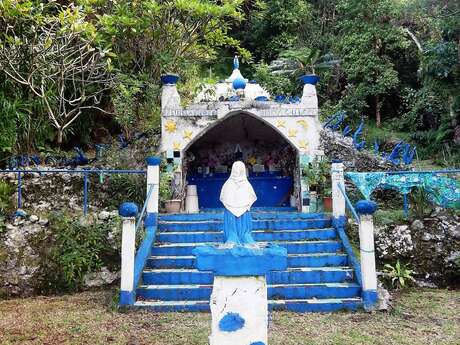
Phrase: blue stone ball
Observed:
(366, 207)
(239, 84)
(128, 209)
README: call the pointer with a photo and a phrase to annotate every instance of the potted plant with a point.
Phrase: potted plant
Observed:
(170, 192)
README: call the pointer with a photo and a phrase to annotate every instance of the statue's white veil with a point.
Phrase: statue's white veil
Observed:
(237, 194)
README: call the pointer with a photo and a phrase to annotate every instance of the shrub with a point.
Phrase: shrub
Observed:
(76, 249)
(6, 191)
(127, 187)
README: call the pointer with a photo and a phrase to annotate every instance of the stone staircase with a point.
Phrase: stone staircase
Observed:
(319, 277)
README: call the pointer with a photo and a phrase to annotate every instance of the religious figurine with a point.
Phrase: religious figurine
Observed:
(236, 62)
(238, 196)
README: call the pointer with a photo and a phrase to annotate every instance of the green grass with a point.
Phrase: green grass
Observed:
(419, 317)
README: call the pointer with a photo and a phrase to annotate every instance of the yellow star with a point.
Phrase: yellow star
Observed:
(176, 146)
(303, 123)
(170, 126)
(187, 135)
(292, 132)
(303, 145)
(281, 124)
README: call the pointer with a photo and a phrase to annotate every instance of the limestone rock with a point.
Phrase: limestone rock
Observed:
(104, 215)
(101, 278)
(33, 218)
(417, 225)
(384, 298)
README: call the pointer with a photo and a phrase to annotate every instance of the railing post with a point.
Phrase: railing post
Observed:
(366, 209)
(153, 181)
(128, 211)
(337, 178)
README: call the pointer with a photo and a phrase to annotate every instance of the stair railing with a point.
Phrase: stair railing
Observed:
(132, 262)
(363, 211)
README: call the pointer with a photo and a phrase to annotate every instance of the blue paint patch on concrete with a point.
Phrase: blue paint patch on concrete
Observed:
(231, 322)
(241, 261)
(258, 343)
(369, 298)
(153, 161)
(128, 209)
(127, 297)
(366, 207)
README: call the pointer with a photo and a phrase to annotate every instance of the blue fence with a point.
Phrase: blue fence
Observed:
(84, 172)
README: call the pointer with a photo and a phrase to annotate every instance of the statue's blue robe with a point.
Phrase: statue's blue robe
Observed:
(237, 230)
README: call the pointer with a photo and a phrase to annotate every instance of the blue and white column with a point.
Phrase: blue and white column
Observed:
(128, 211)
(366, 209)
(239, 302)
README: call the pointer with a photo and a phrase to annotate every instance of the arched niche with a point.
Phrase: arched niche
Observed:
(270, 157)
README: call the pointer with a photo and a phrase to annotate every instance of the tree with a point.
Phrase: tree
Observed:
(59, 62)
(368, 39)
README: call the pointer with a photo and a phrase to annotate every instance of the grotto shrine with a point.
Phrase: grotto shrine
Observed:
(236, 119)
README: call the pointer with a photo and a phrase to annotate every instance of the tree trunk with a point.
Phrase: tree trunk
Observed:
(59, 136)
(378, 106)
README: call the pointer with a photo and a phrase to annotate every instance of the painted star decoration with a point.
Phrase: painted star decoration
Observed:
(176, 146)
(187, 135)
(170, 126)
(292, 133)
(303, 123)
(303, 145)
(281, 124)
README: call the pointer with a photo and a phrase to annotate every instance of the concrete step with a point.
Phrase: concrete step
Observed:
(258, 235)
(294, 260)
(212, 225)
(304, 275)
(219, 216)
(300, 306)
(276, 292)
(293, 247)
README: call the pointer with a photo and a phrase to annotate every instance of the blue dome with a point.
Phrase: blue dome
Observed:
(239, 84)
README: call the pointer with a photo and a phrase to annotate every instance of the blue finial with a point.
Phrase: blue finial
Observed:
(128, 209)
(366, 207)
(236, 62)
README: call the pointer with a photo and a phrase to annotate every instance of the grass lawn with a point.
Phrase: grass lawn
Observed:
(419, 317)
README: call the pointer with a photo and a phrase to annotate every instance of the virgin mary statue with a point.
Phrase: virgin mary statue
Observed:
(237, 195)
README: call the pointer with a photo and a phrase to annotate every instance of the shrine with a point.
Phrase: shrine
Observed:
(237, 119)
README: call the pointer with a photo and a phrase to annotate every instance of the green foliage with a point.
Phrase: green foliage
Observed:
(125, 187)
(77, 247)
(276, 84)
(383, 217)
(6, 191)
(420, 204)
(398, 276)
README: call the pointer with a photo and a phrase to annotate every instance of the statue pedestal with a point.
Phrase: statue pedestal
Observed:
(239, 303)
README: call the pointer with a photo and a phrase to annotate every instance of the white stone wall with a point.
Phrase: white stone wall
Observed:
(178, 132)
(239, 311)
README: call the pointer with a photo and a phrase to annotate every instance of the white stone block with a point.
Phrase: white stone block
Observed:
(239, 311)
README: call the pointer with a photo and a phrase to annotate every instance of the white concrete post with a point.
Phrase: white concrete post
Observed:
(170, 98)
(153, 181)
(338, 199)
(128, 211)
(366, 210)
(309, 97)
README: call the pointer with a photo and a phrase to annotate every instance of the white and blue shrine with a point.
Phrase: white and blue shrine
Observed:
(242, 153)
(236, 120)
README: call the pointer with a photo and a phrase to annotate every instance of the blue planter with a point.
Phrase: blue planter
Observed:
(309, 79)
(261, 99)
(169, 78)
